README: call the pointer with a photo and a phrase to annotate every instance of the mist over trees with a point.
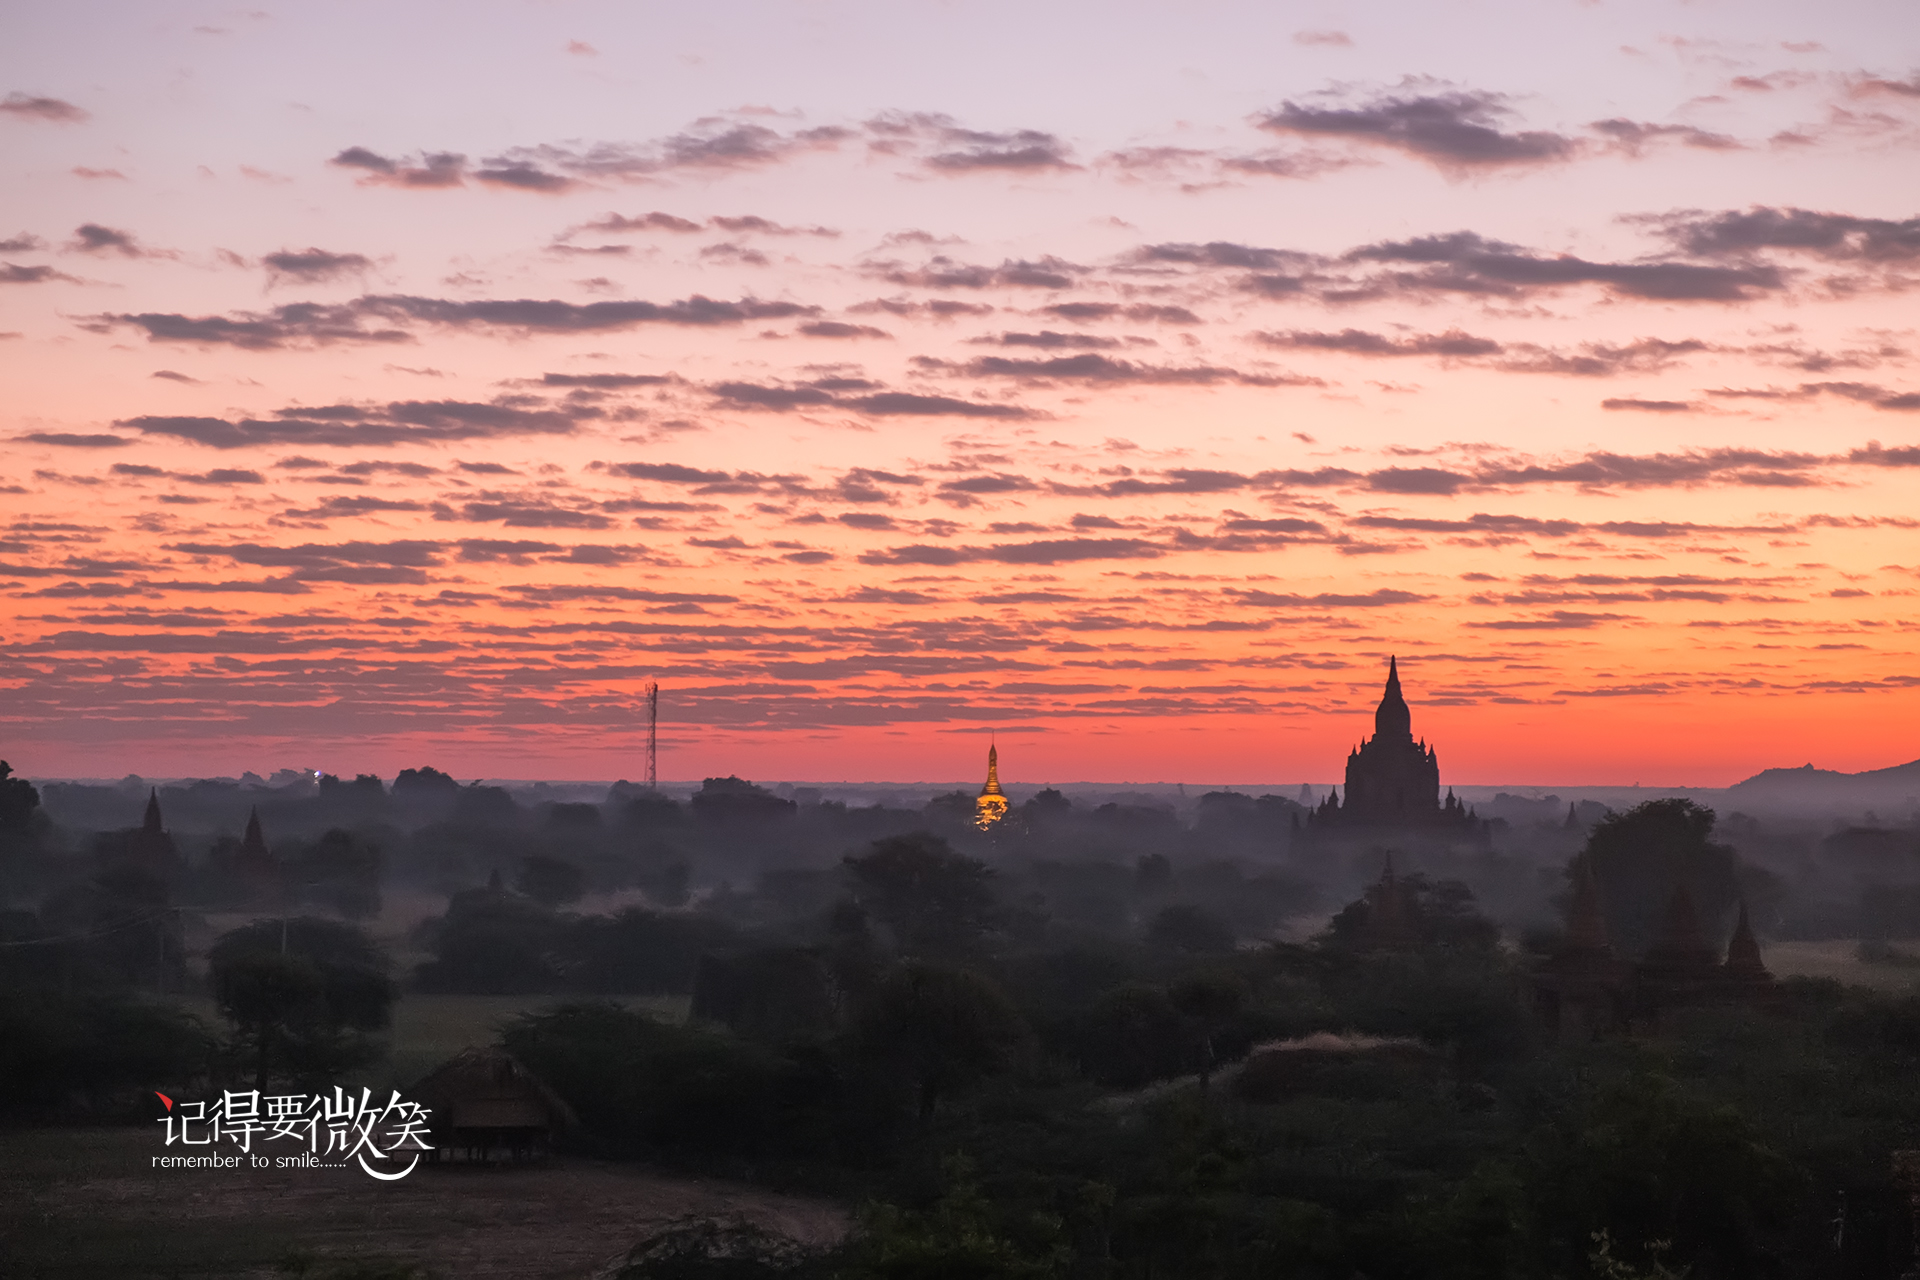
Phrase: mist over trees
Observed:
(1169, 1036)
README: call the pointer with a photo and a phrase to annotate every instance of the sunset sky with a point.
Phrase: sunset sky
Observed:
(389, 384)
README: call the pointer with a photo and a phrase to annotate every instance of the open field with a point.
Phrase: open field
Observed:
(88, 1203)
(1840, 960)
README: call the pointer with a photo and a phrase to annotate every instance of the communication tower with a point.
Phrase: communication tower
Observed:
(653, 735)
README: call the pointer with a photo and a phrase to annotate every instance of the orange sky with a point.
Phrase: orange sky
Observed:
(363, 413)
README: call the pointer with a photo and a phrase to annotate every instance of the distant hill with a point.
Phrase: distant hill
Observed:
(1810, 786)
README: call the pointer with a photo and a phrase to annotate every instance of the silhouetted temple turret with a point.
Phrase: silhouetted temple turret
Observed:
(148, 846)
(1388, 917)
(1581, 989)
(1392, 780)
(1681, 949)
(1743, 953)
(1586, 921)
(253, 847)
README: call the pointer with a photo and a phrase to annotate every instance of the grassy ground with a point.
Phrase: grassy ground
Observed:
(89, 1203)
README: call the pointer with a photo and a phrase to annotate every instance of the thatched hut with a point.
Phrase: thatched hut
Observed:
(485, 1103)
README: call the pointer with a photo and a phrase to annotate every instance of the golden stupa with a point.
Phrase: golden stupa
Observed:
(991, 808)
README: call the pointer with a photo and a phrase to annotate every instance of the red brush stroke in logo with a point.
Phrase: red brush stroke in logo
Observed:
(164, 1098)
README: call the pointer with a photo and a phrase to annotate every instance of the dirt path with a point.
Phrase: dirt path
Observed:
(88, 1203)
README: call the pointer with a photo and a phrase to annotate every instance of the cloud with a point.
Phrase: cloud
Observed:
(942, 272)
(1046, 552)
(604, 381)
(1650, 406)
(434, 169)
(1100, 369)
(1558, 620)
(91, 237)
(1024, 150)
(401, 562)
(533, 515)
(22, 243)
(400, 422)
(1327, 600)
(1453, 130)
(1178, 480)
(1223, 253)
(520, 176)
(713, 144)
(824, 393)
(355, 505)
(313, 266)
(1908, 88)
(1468, 263)
(373, 319)
(1633, 137)
(614, 224)
(1452, 343)
(22, 106)
(753, 224)
(1612, 470)
(1832, 236)
(1328, 39)
(839, 329)
(13, 274)
(1049, 340)
(70, 440)
(670, 473)
(1863, 392)
(890, 404)
(1479, 523)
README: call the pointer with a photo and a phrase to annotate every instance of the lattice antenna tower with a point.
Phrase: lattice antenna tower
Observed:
(653, 735)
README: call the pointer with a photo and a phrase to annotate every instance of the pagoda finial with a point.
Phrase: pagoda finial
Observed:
(151, 825)
(1392, 720)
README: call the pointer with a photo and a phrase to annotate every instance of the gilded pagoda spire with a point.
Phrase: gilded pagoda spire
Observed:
(991, 808)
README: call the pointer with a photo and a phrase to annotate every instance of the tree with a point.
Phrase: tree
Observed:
(1210, 1002)
(735, 800)
(1190, 929)
(341, 871)
(1639, 857)
(937, 902)
(552, 882)
(18, 800)
(942, 1029)
(305, 996)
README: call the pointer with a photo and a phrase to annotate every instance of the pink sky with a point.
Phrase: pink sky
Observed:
(406, 384)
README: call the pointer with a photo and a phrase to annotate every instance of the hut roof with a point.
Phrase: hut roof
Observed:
(489, 1087)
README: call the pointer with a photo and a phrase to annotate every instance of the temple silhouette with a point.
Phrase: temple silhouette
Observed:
(1585, 989)
(1392, 780)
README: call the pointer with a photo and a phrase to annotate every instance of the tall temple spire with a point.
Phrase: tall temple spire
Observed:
(1743, 952)
(151, 825)
(991, 808)
(993, 771)
(1393, 721)
(1586, 921)
(1681, 945)
(254, 845)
